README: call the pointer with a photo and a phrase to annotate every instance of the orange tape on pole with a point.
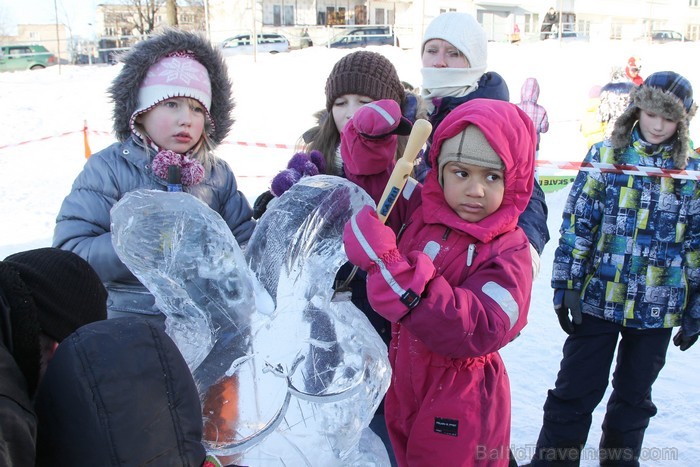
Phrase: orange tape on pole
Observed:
(88, 152)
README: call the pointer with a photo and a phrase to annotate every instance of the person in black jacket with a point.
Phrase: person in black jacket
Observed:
(118, 392)
(550, 24)
(45, 294)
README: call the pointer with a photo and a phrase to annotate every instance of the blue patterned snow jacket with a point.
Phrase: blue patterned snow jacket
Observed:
(631, 243)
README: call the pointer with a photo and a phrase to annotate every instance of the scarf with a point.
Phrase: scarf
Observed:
(192, 171)
(450, 82)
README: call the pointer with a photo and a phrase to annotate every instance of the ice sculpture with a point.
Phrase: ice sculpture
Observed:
(287, 374)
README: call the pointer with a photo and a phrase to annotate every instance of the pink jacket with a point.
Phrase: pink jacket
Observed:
(449, 400)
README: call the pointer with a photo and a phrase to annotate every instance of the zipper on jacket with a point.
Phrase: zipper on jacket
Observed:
(471, 250)
(401, 230)
(446, 234)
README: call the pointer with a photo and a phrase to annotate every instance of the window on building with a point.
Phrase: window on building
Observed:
(282, 15)
(276, 15)
(360, 14)
(694, 3)
(289, 15)
(379, 17)
(335, 17)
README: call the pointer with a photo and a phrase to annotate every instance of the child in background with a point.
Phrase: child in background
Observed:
(451, 271)
(614, 99)
(591, 128)
(627, 265)
(529, 94)
(172, 107)
(634, 66)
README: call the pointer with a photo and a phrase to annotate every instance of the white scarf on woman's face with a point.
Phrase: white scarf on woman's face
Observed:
(449, 82)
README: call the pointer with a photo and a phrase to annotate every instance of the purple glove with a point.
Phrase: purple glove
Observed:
(300, 165)
(371, 246)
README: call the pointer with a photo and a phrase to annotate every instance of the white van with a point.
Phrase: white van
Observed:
(267, 43)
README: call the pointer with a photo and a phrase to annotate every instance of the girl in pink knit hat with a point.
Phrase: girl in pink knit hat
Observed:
(172, 107)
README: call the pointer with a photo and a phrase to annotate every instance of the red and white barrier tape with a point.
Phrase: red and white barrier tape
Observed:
(541, 164)
(12, 145)
(105, 133)
(620, 169)
(260, 145)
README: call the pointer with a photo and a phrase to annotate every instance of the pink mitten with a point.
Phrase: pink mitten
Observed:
(377, 119)
(368, 142)
(371, 246)
(368, 240)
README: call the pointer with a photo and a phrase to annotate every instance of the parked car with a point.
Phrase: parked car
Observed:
(267, 43)
(364, 36)
(664, 36)
(25, 57)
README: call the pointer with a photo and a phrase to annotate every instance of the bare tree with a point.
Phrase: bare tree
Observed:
(4, 24)
(171, 12)
(197, 10)
(144, 14)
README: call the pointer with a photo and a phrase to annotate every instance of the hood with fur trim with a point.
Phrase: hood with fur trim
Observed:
(124, 90)
(665, 102)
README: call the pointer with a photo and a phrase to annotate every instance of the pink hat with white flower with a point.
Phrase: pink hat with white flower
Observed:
(178, 74)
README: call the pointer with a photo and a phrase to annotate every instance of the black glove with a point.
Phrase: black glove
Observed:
(682, 341)
(567, 302)
(260, 205)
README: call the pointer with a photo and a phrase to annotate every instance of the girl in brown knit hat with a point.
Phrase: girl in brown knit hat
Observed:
(356, 79)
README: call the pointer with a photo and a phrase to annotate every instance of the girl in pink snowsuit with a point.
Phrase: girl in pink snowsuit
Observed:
(457, 287)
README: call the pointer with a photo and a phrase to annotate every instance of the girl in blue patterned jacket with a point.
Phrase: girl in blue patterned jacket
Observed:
(628, 264)
(172, 107)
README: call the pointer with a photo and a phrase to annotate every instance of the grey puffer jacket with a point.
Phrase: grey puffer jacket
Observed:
(83, 222)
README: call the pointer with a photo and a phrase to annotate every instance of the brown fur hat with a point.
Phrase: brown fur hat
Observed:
(665, 93)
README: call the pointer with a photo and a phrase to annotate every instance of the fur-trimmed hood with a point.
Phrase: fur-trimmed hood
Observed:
(124, 90)
(667, 94)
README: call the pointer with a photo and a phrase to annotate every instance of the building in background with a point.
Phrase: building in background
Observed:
(118, 26)
(54, 37)
(324, 19)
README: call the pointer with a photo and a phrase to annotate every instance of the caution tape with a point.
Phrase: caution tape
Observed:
(107, 133)
(45, 138)
(541, 164)
(260, 145)
(621, 169)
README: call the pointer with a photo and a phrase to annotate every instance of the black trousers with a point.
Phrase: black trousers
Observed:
(581, 384)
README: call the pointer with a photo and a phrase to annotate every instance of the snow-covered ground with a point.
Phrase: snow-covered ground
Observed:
(42, 150)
